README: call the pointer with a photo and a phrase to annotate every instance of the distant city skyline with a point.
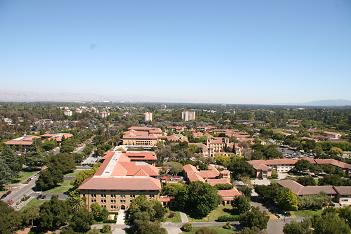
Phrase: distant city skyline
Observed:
(241, 52)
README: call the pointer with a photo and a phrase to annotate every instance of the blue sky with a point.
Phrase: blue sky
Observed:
(272, 51)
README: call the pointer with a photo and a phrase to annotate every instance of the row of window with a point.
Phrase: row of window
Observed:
(114, 195)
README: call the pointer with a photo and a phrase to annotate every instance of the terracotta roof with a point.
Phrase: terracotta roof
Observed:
(299, 189)
(121, 183)
(261, 164)
(141, 155)
(343, 190)
(24, 140)
(214, 182)
(229, 195)
(124, 167)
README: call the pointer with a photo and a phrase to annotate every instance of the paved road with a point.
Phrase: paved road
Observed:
(14, 198)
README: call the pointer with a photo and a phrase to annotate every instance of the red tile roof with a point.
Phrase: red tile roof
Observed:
(141, 155)
(229, 195)
(121, 183)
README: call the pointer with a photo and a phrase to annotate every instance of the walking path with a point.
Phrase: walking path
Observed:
(183, 217)
(121, 217)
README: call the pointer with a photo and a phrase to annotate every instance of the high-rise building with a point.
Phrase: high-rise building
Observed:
(188, 115)
(148, 116)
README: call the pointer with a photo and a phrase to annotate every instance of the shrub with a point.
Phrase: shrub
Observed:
(206, 230)
(106, 229)
(227, 218)
(223, 186)
(187, 227)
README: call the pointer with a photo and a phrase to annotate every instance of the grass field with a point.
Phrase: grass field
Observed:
(33, 203)
(219, 211)
(23, 176)
(65, 185)
(218, 230)
(306, 213)
(174, 219)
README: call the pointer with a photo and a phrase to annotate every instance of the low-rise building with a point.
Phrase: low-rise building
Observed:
(264, 167)
(118, 181)
(216, 145)
(142, 136)
(340, 194)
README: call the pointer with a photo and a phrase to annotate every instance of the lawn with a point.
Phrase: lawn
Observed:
(219, 211)
(33, 203)
(219, 230)
(175, 219)
(23, 176)
(306, 213)
(63, 187)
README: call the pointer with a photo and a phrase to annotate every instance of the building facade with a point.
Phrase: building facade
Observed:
(188, 115)
(118, 181)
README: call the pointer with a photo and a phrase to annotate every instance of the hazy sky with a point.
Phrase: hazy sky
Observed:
(211, 51)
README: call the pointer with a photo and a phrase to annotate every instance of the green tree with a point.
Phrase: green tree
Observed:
(9, 219)
(345, 213)
(241, 204)
(174, 168)
(49, 178)
(5, 173)
(254, 218)
(306, 180)
(240, 168)
(53, 214)
(331, 223)
(287, 200)
(99, 213)
(81, 221)
(335, 151)
(302, 165)
(49, 145)
(199, 199)
(303, 227)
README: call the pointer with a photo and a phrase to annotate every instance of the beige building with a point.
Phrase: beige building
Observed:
(142, 136)
(188, 115)
(118, 181)
(216, 145)
(148, 117)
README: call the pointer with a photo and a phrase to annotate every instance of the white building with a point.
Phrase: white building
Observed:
(188, 115)
(67, 112)
(148, 116)
(104, 114)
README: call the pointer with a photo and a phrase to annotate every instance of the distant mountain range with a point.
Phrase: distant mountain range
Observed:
(27, 96)
(332, 102)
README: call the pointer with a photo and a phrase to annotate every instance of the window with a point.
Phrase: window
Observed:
(133, 196)
(103, 195)
(113, 201)
(103, 200)
(123, 201)
(93, 200)
(113, 195)
(93, 195)
(113, 207)
(152, 195)
(123, 196)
